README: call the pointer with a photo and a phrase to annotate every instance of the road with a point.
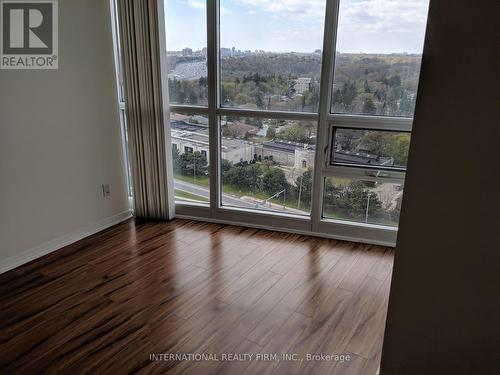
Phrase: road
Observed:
(204, 192)
(229, 199)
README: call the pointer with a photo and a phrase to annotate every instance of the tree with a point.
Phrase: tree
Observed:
(303, 187)
(176, 160)
(194, 164)
(271, 132)
(203, 81)
(348, 138)
(337, 96)
(407, 105)
(399, 148)
(353, 201)
(259, 101)
(377, 142)
(350, 200)
(310, 99)
(348, 93)
(369, 106)
(274, 181)
(366, 87)
(295, 133)
(244, 176)
(225, 166)
(230, 131)
(241, 98)
(332, 192)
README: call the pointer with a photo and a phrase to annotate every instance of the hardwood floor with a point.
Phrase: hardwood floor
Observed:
(107, 303)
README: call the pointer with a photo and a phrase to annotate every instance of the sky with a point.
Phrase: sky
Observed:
(365, 26)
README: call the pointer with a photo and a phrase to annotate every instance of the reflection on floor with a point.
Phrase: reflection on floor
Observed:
(130, 297)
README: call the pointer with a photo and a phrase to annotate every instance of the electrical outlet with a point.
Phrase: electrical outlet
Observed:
(106, 190)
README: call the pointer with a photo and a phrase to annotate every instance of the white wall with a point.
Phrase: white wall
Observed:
(60, 137)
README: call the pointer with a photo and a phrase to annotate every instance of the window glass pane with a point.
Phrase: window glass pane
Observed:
(267, 164)
(270, 56)
(377, 63)
(371, 147)
(123, 123)
(186, 51)
(190, 154)
(362, 201)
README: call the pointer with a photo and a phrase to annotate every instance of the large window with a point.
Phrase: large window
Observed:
(270, 54)
(296, 114)
(369, 202)
(190, 157)
(377, 63)
(186, 33)
(376, 67)
(376, 148)
(267, 164)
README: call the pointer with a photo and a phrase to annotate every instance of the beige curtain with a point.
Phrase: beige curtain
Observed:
(140, 48)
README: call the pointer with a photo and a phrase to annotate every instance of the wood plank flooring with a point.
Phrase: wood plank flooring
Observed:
(107, 303)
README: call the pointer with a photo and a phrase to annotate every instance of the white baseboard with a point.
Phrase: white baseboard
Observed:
(45, 248)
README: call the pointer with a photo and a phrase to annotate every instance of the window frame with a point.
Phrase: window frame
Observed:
(326, 121)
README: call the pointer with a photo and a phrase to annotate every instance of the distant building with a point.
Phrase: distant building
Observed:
(355, 157)
(291, 154)
(236, 150)
(302, 85)
(225, 52)
(239, 129)
(187, 51)
(197, 119)
(317, 51)
(304, 158)
(190, 137)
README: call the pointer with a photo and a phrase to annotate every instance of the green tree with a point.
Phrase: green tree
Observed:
(348, 93)
(176, 160)
(303, 188)
(274, 180)
(294, 133)
(399, 148)
(203, 81)
(241, 98)
(407, 105)
(271, 132)
(225, 166)
(352, 201)
(369, 106)
(376, 142)
(194, 164)
(259, 101)
(246, 176)
(366, 87)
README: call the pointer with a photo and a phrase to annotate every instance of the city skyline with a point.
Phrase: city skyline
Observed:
(318, 50)
(365, 26)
